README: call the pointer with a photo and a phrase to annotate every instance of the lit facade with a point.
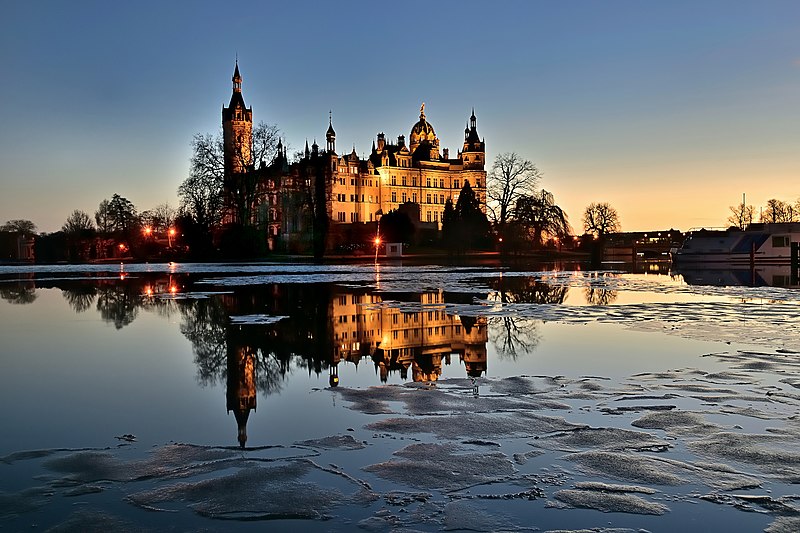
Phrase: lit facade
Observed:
(357, 191)
(422, 338)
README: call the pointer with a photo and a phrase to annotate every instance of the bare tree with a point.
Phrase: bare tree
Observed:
(741, 215)
(601, 219)
(78, 223)
(510, 178)
(778, 211)
(160, 218)
(243, 191)
(201, 199)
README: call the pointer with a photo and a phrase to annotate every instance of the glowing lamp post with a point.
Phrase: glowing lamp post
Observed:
(170, 235)
(378, 215)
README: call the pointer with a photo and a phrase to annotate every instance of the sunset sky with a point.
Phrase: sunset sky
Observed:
(669, 111)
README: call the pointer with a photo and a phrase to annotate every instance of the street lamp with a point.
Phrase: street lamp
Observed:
(378, 215)
(170, 233)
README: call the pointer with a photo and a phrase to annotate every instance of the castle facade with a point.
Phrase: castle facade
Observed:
(417, 175)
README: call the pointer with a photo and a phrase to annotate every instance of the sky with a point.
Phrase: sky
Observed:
(669, 111)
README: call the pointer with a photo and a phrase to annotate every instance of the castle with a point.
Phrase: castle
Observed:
(418, 175)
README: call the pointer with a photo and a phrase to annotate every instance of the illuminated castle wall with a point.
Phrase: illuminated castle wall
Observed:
(420, 337)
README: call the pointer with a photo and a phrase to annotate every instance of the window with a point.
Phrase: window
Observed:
(477, 182)
(429, 200)
(394, 180)
(429, 216)
(394, 196)
(414, 197)
(352, 182)
(780, 241)
(441, 183)
(441, 198)
(455, 184)
(436, 216)
(414, 181)
(404, 197)
(404, 180)
(428, 182)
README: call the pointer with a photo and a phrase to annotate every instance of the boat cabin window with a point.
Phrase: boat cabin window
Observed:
(780, 241)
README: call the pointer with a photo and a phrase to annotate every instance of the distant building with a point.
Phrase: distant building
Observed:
(357, 191)
(16, 247)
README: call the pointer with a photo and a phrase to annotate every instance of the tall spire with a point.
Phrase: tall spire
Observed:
(237, 78)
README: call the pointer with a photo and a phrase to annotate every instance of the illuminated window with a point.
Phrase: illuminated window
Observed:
(394, 196)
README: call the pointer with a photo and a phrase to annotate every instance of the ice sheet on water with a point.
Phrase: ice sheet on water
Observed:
(475, 425)
(425, 400)
(604, 438)
(172, 460)
(255, 492)
(642, 468)
(256, 319)
(92, 521)
(784, 524)
(676, 422)
(25, 501)
(471, 515)
(442, 467)
(334, 442)
(777, 454)
(609, 502)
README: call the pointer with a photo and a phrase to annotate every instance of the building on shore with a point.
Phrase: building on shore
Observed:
(356, 192)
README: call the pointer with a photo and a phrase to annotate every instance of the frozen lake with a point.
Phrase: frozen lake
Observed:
(395, 398)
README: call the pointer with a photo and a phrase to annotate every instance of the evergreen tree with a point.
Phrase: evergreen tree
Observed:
(471, 227)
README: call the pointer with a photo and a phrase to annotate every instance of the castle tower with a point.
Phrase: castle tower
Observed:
(237, 130)
(330, 135)
(474, 152)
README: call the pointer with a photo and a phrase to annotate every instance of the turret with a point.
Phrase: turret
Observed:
(474, 153)
(330, 135)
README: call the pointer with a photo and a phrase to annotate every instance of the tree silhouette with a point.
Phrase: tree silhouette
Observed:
(511, 177)
(540, 217)
(601, 219)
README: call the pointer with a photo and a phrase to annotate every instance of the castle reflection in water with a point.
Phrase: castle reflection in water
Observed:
(238, 341)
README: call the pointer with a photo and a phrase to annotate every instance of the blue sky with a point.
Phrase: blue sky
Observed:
(669, 111)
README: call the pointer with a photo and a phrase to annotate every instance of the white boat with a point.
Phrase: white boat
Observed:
(758, 244)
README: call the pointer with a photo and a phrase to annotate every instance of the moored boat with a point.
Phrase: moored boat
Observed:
(758, 244)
